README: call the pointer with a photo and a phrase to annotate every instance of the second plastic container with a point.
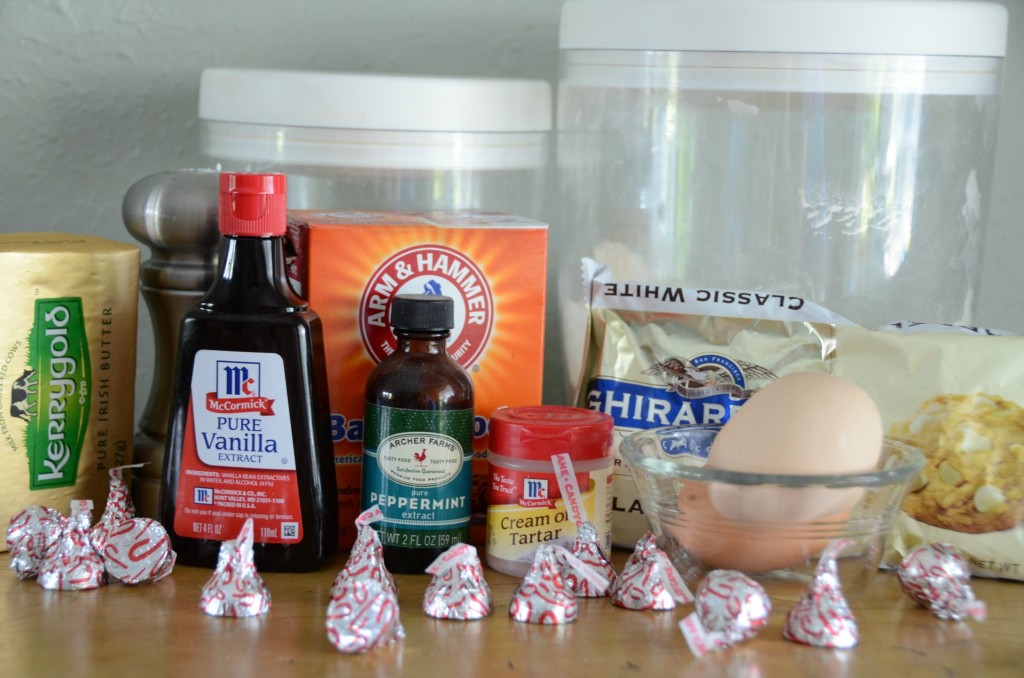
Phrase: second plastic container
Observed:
(366, 141)
(841, 151)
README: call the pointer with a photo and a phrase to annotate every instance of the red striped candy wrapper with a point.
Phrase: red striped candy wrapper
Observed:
(730, 608)
(588, 549)
(649, 580)
(543, 597)
(74, 565)
(938, 577)
(118, 509)
(236, 589)
(366, 559)
(822, 617)
(363, 615)
(457, 589)
(138, 550)
(33, 535)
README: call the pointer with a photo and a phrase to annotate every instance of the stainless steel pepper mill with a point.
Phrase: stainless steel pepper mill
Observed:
(175, 214)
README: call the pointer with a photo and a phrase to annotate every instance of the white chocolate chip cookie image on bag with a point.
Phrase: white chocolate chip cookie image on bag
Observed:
(973, 480)
(957, 394)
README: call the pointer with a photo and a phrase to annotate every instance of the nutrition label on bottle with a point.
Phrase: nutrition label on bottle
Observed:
(238, 458)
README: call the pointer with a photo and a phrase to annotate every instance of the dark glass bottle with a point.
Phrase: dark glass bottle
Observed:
(417, 448)
(250, 422)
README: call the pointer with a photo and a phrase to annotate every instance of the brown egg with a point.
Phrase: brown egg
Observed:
(806, 423)
(723, 542)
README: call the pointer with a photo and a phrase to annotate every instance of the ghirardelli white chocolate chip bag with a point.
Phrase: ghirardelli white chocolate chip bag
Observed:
(660, 355)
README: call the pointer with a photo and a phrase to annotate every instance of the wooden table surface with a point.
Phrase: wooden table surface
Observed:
(158, 629)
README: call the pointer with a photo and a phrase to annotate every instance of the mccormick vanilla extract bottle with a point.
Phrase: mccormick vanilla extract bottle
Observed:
(250, 424)
(417, 448)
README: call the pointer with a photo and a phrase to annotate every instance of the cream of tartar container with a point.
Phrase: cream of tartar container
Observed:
(549, 466)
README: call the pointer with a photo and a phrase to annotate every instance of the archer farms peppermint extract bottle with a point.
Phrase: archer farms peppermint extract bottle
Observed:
(418, 442)
(250, 431)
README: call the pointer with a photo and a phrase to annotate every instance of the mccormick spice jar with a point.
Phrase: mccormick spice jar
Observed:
(550, 469)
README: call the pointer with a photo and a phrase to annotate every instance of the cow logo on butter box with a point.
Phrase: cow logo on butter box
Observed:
(429, 269)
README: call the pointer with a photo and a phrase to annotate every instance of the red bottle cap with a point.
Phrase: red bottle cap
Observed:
(536, 432)
(253, 205)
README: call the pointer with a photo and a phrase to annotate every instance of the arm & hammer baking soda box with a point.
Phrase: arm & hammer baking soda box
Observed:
(349, 265)
(67, 367)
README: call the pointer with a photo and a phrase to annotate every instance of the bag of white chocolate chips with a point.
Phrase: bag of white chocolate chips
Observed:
(659, 355)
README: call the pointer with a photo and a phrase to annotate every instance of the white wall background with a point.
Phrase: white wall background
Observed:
(96, 94)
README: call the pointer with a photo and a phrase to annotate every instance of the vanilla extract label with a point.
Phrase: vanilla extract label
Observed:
(240, 410)
(238, 457)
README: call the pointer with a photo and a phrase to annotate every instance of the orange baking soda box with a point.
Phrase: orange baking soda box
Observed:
(350, 265)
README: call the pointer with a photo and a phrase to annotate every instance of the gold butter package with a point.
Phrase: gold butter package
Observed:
(67, 367)
(658, 355)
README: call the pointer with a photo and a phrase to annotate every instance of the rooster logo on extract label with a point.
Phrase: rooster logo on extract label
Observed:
(429, 269)
(709, 375)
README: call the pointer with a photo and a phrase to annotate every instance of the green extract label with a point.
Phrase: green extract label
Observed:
(417, 467)
(58, 379)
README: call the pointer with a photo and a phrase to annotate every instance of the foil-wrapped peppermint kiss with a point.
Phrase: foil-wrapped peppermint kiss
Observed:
(938, 577)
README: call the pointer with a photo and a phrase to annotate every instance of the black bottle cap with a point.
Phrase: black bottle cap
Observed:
(422, 312)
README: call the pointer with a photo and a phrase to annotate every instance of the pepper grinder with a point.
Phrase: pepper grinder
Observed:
(175, 214)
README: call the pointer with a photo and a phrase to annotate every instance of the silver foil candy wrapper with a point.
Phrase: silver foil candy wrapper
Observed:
(118, 509)
(132, 550)
(543, 597)
(587, 548)
(138, 550)
(457, 589)
(937, 577)
(33, 536)
(74, 565)
(363, 615)
(366, 559)
(649, 580)
(730, 608)
(236, 589)
(822, 617)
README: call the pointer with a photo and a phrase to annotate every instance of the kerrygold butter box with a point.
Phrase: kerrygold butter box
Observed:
(67, 367)
(349, 265)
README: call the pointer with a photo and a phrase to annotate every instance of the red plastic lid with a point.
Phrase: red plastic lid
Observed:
(253, 204)
(538, 431)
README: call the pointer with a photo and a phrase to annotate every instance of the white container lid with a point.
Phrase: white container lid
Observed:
(374, 101)
(884, 27)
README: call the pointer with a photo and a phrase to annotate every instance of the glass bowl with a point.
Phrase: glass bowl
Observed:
(772, 527)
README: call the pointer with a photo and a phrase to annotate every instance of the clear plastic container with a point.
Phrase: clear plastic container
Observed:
(841, 151)
(359, 141)
(365, 141)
